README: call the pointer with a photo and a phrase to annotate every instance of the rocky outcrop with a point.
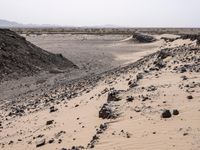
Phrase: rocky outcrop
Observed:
(143, 38)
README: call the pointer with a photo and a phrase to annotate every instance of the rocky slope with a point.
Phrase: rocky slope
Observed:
(150, 104)
(19, 57)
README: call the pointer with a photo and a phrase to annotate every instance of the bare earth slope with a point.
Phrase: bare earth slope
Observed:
(19, 57)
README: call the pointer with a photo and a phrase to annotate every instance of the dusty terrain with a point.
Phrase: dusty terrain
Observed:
(92, 53)
(126, 95)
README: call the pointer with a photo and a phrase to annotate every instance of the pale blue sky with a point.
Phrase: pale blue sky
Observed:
(132, 13)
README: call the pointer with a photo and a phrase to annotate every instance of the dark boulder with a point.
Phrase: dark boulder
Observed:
(166, 114)
(106, 112)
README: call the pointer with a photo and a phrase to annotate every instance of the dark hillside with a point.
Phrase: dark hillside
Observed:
(19, 57)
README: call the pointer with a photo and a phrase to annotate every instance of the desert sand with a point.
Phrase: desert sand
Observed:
(125, 95)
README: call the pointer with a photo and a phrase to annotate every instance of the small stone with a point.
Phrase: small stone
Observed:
(175, 112)
(51, 141)
(103, 126)
(190, 97)
(59, 141)
(49, 122)
(11, 142)
(184, 134)
(39, 136)
(53, 109)
(151, 88)
(166, 114)
(139, 76)
(137, 109)
(104, 91)
(184, 77)
(113, 96)
(183, 69)
(76, 105)
(128, 135)
(129, 98)
(74, 147)
(132, 84)
(144, 98)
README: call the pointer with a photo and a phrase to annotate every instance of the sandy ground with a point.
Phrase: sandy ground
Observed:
(92, 52)
(137, 124)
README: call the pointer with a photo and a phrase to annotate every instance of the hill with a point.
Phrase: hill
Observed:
(19, 57)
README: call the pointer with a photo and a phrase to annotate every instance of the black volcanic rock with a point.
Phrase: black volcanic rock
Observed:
(19, 57)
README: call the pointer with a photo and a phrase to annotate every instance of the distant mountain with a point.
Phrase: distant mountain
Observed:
(12, 24)
(9, 24)
(102, 26)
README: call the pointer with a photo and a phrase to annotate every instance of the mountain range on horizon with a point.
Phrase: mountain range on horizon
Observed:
(12, 24)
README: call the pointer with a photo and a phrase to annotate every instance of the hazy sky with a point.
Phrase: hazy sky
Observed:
(133, 13)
